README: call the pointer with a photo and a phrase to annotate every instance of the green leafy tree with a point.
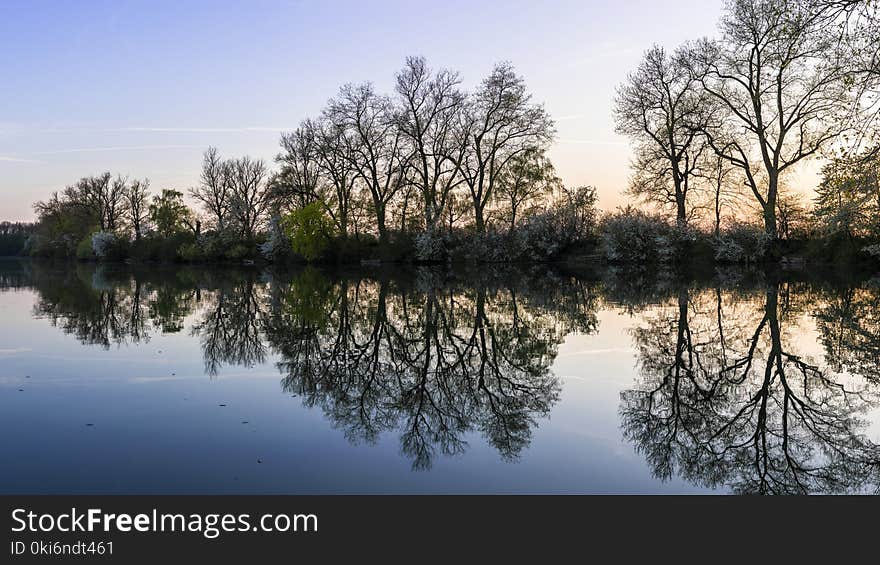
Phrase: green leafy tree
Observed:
(308, 230)
(169, 213)
(527, 181)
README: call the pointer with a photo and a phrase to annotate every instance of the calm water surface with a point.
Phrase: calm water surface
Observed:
(165, 380)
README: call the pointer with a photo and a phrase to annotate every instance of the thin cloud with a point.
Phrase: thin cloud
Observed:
(117, 148)
(204, 130)
(21, 128)
(11, 159)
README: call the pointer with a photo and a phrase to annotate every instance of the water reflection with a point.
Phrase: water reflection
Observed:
(430, 358)
(744, 381)
(727, 397)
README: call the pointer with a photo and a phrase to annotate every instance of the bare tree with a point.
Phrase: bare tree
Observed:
(723, 189)
(214, 192)
(429, 108)
(250, 198)
(784, 86)
(296, 185)
(659, 107)
(113, 202)
(375, 144)
(335, 160)
(102, 196)
(137, 206)
(501, 122)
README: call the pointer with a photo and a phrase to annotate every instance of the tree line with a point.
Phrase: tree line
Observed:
(416, 168)
(718, 125)
(434, 172)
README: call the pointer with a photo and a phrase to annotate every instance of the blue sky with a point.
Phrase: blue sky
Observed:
(143, 87)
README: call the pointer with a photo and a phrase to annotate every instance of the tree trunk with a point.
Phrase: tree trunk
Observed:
(681, 213)
(479, 222)
(770, 207)
(430, 220)
(380, 224)
(680, 207)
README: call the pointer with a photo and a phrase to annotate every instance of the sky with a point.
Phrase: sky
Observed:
(142, 88)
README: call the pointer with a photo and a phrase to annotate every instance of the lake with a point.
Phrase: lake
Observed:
(161, 379)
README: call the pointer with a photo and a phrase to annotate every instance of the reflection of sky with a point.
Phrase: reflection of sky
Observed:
(143, 87)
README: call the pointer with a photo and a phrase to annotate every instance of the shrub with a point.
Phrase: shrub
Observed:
(103, 244)
(191, 252)
(546, 235)
(430, 246)
(84, 249)
(277, 246)
(237, 252)
(214, 245)
(542, 237)
(741, 243)
(632, 236)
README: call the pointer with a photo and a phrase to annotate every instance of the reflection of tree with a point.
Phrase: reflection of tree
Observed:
(230, 327)
(849, 326)
(726, 405)
(435, 363)
(725, 397)
(14, 274)
(90, 305)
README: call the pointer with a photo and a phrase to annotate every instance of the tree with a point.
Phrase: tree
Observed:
(376, 151)
(858, 26)
(296, 184)
(848, 198)
(105, 195)
(214, 192)
(500, 122)
(528, 179)
(102, 196)
(64, 219)
(14, 237)
(723, 189)
(793, 215)
(308, 230)
(250, 198)
(577, 211)
(168, 212)
(429, 107)
(137, 206)
(660, 108)
(113, 202)
(782, 85)
(93, 203)
(335, 162)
